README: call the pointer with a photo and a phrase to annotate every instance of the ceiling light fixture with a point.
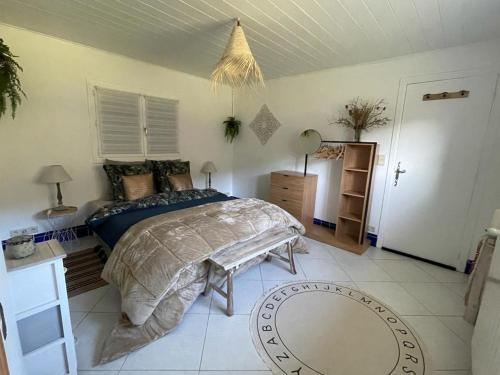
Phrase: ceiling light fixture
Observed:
(237, 66)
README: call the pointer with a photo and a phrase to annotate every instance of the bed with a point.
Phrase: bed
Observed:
(112, 219)
(159, 246)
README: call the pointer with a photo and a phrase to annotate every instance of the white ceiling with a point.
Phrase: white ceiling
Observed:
(287, 36)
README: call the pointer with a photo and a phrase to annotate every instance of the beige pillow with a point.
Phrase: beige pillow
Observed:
(180, 182)
(138, 186)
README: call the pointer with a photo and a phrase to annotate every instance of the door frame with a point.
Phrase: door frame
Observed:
(473, 211)
(4, 366)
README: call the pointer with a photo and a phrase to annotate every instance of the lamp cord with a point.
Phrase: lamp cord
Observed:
(232, 102)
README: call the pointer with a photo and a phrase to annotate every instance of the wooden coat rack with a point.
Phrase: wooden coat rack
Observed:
(446, 95)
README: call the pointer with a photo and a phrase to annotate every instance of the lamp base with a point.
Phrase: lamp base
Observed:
(61, 207)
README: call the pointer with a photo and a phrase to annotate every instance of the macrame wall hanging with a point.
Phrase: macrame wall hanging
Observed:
(264, 124)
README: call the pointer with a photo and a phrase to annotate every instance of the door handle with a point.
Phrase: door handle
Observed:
(4, 324)
(397, 172)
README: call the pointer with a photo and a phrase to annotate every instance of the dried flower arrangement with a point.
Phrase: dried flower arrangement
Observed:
(362, 115)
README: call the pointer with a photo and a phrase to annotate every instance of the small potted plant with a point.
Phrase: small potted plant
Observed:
(231, 128)
(10, 85)
(362, 115)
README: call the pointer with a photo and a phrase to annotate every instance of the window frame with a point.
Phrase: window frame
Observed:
(95, 131)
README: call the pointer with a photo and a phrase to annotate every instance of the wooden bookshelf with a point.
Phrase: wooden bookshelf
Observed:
(357, 170)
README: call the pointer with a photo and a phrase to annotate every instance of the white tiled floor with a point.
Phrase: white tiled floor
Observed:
(210, 343)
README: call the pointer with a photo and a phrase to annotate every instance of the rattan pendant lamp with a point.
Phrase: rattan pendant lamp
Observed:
(237, 67)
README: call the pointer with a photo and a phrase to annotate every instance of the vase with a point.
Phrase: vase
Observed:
(357, 135)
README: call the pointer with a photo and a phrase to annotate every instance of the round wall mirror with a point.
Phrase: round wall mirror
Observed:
(309, 141)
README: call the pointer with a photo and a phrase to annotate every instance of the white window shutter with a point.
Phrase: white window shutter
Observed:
(119, 122)
(161, 124)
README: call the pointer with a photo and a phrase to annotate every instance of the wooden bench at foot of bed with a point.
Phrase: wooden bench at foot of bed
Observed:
(232, 258)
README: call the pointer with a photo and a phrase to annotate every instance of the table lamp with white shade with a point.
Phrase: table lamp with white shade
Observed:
(56, 174)
(209, 168)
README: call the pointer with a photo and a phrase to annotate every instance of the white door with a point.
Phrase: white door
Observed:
(8, 326)
(439, 147)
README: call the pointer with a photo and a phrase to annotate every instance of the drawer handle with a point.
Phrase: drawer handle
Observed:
(284, 200)
(286, 175)
(285, 188)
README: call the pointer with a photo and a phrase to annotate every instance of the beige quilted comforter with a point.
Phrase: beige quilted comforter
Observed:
(159, 265)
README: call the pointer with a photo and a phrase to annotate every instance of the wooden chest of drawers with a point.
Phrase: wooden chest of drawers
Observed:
(295, 193)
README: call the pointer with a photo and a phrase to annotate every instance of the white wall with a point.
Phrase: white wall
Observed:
(52, 126)
(311, 100)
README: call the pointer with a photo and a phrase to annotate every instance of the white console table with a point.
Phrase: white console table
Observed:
(42, 311)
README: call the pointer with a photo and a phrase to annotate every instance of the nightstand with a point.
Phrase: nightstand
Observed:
(61, 223)
(42, 311)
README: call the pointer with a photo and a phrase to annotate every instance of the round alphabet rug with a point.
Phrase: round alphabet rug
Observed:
(317, 327)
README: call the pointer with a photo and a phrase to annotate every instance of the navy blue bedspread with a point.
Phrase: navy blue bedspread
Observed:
(111, 222)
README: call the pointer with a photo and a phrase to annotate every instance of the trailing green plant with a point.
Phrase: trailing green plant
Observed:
(231, 128)
(10, 85)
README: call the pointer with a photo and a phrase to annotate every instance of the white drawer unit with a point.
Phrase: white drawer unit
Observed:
(42, 311)
(31, 295)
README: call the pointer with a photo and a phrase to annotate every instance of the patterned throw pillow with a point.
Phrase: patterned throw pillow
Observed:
(160, 172)
(138, 186)
(109, 161)
(178, 167)
(164, 168)
(116, 171)
(180, 182)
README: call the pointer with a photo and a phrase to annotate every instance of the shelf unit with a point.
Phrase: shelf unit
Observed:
(355, 184)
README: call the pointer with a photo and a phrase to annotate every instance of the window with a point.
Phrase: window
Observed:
(134, 125)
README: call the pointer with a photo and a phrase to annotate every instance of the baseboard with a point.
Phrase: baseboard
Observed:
(420, 259)
(80, 231)
(469, 266)
(372, 237)
(84, 231)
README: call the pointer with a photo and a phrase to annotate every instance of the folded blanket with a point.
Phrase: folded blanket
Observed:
(158, 264)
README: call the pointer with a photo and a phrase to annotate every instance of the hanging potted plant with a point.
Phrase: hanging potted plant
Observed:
(10, 85)
(362, 115)
(231, 128)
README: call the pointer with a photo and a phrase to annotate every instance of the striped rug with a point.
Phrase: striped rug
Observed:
(84, 270)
